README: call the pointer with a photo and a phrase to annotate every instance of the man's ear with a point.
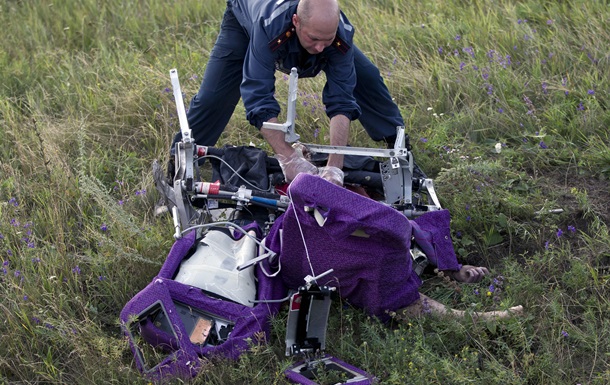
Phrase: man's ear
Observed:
(295, 20)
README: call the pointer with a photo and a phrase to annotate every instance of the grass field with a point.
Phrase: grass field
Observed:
(507, 107)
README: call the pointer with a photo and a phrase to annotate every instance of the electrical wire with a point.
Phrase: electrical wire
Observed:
(236, 173)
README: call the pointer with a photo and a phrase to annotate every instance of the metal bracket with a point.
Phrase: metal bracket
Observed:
(288, 126)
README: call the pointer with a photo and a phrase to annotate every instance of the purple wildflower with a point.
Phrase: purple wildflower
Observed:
(581, 107)
(559, 233)
(17, 273)
(571, 228)
(591, 92)
(423, 140)
(543, 145)
(76, 269)
(564, 334)
(547, 245)
(458, 37)
(549, 22)
(104, 227)
(13, 202)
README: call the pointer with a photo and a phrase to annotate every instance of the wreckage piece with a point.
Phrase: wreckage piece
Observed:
(365, 242)
(171, 325)
(306, 337)
(405, 187)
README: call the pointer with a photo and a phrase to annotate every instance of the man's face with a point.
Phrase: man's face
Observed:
(316, 34)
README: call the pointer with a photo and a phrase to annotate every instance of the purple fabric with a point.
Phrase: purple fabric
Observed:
(372, 272)
(184, 361)
(431, 232)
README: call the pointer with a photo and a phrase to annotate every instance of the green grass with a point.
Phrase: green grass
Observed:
(84, 111)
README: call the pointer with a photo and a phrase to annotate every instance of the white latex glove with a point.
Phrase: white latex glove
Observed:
(331, 174)
(295, 164)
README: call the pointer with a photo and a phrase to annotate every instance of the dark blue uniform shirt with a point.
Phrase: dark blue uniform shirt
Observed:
(274, 46)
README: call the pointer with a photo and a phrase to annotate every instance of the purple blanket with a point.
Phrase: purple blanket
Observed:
(365, 242)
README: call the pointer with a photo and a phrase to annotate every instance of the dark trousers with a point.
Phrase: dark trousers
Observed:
(212, 107)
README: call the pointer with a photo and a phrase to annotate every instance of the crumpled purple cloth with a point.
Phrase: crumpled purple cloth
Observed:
(365, 242)
(184, 359)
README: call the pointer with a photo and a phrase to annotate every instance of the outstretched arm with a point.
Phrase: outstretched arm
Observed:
(291, 162)
(339, 134)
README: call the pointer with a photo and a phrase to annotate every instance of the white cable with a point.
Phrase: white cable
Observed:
(235, 172)
(300, 231)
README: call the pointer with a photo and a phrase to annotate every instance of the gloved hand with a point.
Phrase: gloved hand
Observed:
(294, 164)
(302, 149)
(331, 174)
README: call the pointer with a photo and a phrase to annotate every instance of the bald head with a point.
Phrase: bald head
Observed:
(319, 10)
(316, 23)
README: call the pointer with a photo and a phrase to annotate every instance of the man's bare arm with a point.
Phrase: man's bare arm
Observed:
(276, 140)
(339, 134)
(291, 162)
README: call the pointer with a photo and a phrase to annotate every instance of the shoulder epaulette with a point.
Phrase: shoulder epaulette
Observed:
(341, 45)
(282, 38)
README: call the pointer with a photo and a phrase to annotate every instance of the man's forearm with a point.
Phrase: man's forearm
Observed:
(276, 140)
(339, 134)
